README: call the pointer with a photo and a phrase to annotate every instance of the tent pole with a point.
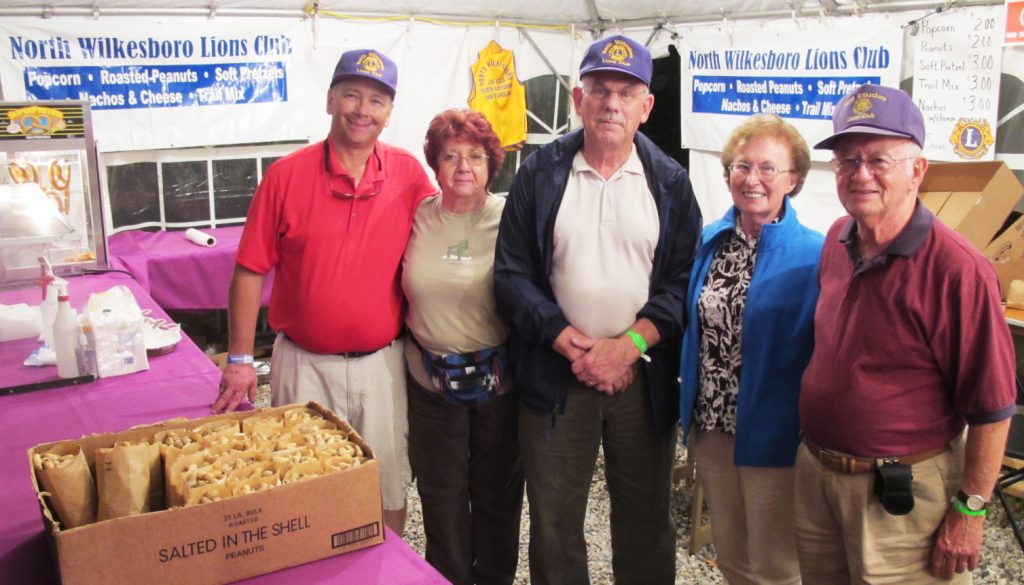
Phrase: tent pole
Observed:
(544, 58)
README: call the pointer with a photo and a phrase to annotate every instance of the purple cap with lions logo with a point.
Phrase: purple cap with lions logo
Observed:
(618, 53)
(369, 64)
(876, 109)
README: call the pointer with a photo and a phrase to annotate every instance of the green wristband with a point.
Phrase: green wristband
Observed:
(963, 509)
(638, 340)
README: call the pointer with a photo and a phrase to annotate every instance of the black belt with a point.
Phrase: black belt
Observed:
(344, 354)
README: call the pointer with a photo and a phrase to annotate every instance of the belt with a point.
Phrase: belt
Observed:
(344, 354)
(848, 464)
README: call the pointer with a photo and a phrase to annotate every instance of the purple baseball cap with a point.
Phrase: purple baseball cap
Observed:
(618, 53)
(876, 109)
(369, 64)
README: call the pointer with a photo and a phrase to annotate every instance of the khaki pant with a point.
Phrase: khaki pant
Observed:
(751, 514)
(368, 392)
(844, 536)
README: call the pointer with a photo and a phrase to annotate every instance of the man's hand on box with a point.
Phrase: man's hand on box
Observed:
(237, 382)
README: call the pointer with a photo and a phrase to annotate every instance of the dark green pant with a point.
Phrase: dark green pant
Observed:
(559, 465)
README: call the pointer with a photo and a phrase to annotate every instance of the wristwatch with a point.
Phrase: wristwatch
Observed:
(972, 502)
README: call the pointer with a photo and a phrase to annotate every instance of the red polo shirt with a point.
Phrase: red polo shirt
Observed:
(337, 286)
(908, 347)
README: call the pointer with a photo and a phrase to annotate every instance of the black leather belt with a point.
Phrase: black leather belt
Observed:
(344, 354)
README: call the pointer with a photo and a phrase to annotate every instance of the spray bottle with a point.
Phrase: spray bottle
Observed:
(50, 285)
(65, 336)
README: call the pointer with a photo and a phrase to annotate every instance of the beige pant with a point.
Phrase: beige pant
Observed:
(844, 535)
(751, 514)
(368, 392)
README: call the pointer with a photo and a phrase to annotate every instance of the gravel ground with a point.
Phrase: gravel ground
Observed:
(1002, 561)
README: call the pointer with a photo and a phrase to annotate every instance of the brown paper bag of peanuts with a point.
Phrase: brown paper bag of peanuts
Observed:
(64, 474)
(127, 475)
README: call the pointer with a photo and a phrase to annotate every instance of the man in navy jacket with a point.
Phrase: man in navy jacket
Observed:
(592, 261)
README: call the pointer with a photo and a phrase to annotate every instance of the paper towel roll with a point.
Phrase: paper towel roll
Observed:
(200, 238)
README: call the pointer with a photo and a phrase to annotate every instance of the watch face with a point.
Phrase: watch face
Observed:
(975, 503)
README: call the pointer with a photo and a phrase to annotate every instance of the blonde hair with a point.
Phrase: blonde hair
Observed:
(774, 127)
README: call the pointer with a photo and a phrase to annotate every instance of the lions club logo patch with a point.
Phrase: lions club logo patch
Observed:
(370, 63)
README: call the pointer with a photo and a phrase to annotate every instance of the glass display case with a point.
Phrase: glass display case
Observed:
(49, 191)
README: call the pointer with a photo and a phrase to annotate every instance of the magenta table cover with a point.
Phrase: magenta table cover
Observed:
(178, 274)
(182, 383)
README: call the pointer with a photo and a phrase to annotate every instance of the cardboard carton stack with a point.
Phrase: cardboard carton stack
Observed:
(977, 200)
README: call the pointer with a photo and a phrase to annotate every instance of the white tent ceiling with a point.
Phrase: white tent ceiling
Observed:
(593, 14)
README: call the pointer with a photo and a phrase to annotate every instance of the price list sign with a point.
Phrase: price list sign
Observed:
(956, 81)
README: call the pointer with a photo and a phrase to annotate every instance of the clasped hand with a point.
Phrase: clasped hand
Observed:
(603, 364)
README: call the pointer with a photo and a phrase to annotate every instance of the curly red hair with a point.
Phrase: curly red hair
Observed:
(463, 125)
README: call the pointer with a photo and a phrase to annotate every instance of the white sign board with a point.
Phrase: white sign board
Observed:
(173, 82)
(957, 58)
(798, 75)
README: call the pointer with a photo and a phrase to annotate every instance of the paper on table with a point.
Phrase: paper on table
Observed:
(200, 238)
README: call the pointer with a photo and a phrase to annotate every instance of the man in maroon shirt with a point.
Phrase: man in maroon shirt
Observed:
(911, 347)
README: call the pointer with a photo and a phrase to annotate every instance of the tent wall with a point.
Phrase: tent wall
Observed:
(434, 60)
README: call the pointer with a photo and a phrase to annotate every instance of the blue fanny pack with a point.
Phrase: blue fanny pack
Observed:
(465, 378)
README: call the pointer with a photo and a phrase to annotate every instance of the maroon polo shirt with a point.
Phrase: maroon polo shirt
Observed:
(908, 346)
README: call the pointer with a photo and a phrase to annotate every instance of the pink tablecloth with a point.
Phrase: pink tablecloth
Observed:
(182, 383)
(177, 273)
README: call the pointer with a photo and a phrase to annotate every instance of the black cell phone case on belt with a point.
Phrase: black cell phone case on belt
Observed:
(894, 486)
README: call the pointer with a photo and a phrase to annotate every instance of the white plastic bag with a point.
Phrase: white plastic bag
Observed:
(114, 326)
(18, 321)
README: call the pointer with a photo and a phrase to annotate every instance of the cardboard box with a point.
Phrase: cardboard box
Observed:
(973, 198)
(1007, 255)
(222, 541)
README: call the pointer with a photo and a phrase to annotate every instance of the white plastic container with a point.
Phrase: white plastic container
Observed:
(65, 337)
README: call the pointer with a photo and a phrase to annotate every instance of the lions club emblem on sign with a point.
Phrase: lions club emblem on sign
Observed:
(618, 52)
(370, 63)
(971, 138)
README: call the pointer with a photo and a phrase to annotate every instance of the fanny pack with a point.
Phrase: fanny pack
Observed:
(465, 378)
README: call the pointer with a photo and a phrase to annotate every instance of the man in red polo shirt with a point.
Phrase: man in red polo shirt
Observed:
(333, 218)
(911, 347)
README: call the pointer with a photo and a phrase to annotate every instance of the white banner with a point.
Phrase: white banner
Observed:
(797, 74)
(171, 82)
(957, 58)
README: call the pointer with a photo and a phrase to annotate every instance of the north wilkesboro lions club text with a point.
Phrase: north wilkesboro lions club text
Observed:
(168, 72)
(803, 83)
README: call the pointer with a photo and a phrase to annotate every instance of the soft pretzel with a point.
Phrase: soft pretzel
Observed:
(60, 180)
(23, 171)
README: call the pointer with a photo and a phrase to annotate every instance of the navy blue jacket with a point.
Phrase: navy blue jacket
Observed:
(522, 264)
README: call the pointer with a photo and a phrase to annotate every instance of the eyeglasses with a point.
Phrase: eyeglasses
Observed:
(475, 159)
(626, 96)
(766, 173)
(878, 165)
(335, 183)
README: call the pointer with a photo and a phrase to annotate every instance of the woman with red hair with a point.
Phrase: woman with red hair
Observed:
(463, 428)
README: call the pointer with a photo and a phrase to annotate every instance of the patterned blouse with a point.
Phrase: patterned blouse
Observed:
(720, 310)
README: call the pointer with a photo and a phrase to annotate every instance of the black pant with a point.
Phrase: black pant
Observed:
(470, 480)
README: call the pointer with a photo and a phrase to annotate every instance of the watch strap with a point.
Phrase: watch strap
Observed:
(963, 509)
